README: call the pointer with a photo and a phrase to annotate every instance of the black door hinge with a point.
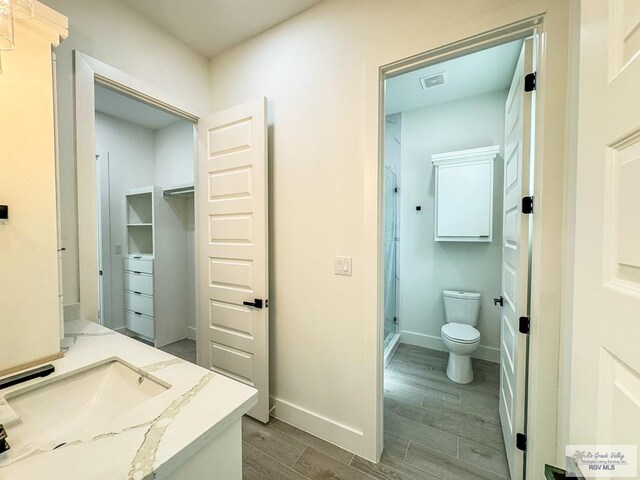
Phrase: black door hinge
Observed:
(530, 82)
(524, 325)
(395, 189)
(521, 442)
(527, 205)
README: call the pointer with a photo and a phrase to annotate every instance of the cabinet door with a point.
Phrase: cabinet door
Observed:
(464, 202)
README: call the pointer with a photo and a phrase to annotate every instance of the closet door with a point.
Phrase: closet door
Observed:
(233, 321)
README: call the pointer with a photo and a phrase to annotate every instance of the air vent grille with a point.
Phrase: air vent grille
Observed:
(432, 80)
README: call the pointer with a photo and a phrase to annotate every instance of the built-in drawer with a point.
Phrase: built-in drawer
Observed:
(138, 302)
(138, 282)
(142, 265)
(139, 323)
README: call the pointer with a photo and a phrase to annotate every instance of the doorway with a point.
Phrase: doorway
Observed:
(145, 160)
(455, 384)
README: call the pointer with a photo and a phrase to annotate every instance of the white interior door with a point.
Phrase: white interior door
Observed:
(605, 365)
(233, 335)
(515, 259)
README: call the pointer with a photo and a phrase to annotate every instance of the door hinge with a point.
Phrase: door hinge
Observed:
(395, 189)
(527, 205)
(521, 442)
(524, 325)
(530, 82)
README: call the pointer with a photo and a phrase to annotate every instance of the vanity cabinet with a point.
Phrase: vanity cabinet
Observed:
(464, 195)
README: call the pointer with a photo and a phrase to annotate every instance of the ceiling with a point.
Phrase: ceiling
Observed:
(482, 72)
(211, 26)
(126, 108)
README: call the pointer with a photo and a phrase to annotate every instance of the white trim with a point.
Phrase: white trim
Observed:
(191, 333)
(88, 71)
(46, 24)
(391, 348)
(323, 427)
(491, 354)
(464, 157)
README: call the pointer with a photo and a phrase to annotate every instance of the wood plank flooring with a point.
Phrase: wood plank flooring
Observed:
(435, 429)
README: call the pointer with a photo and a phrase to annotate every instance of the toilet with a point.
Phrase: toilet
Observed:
(459, 334)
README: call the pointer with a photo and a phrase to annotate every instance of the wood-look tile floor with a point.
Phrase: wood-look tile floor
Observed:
(435, 429)
(184, 349)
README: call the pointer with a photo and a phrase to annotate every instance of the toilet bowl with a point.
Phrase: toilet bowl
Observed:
(459, 335)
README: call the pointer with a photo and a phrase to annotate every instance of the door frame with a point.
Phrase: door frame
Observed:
(90, 72)
(544, 279)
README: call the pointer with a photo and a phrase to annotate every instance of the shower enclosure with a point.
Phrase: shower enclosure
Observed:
(391, 239)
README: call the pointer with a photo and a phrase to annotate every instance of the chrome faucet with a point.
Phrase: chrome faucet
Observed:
(4, 445)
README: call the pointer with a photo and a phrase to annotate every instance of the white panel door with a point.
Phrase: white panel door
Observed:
(515, 259)
(605, 366)
(233, 328)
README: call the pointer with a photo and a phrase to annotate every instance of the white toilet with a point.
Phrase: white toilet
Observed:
(459, 333)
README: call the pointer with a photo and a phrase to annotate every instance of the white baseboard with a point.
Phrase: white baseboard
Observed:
(391, 349)
(71, 312)
(191, 333)
(325, 428)
(483, 352)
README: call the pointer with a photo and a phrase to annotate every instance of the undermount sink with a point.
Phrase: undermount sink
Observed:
(58, 409)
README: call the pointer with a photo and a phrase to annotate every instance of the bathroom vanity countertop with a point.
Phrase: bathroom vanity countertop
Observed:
(148, 441)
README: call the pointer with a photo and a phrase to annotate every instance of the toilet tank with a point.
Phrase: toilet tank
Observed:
(461, 307)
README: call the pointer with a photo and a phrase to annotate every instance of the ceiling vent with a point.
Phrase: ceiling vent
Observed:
(432, 80)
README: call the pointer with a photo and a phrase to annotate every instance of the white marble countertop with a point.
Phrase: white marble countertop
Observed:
(149, 441)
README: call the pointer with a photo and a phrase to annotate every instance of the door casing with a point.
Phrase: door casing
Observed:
(539, 399)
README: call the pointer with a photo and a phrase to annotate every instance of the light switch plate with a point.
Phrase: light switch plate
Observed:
(342, 266)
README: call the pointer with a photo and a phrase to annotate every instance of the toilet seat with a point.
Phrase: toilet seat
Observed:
(460, 333)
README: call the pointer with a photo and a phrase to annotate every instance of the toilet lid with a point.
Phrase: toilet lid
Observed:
(460, 332)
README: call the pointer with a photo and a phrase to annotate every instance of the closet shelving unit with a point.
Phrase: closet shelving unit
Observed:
(155, 264)
(138, 262)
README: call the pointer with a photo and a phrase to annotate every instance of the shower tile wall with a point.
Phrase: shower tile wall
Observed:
(392, 158)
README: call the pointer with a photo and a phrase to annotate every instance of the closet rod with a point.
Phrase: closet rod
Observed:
(169, 192)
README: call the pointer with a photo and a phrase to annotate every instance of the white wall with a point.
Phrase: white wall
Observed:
(175, 155)
(131, 153)
(428, 266)
(115, 34)
(320, 72)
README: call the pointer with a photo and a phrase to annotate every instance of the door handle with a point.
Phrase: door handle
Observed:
(499, 301)
(257, 303)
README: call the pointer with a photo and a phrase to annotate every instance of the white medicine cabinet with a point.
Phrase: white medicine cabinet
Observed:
(464, 194)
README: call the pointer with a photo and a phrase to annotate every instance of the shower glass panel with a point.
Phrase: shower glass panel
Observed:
(390, 253)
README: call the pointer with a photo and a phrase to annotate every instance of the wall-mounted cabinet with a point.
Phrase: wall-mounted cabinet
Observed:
(464, 195)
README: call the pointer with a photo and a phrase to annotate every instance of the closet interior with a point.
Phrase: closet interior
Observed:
(146, 245)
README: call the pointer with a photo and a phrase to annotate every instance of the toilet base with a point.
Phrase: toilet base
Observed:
(459, 368)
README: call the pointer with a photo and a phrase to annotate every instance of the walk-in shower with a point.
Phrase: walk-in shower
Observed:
(391, 232)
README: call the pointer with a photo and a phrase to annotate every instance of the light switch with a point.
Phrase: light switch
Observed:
(117, 248)
(342, 266)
